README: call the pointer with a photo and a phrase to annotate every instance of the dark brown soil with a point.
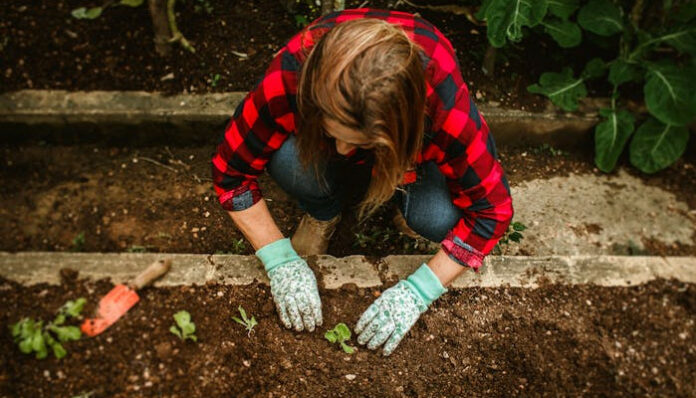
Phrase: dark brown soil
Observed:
(47, 48)
(122, 201)
(552, 341)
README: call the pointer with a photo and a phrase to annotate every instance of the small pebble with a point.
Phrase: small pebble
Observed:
(351, 377)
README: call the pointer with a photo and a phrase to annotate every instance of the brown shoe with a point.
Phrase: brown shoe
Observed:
(402, 226)
(312, 236)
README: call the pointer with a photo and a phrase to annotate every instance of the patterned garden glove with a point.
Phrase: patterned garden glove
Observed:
(391, 316)
(293, 286)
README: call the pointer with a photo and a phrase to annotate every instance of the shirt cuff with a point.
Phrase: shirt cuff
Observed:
(461, 252)
(240, 198)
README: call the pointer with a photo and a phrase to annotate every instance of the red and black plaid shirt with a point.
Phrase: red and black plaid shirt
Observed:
(457, 136)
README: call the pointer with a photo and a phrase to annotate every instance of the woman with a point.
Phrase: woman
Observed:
(381, 92)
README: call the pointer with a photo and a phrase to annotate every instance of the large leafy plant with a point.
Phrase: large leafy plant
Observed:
(668, 82)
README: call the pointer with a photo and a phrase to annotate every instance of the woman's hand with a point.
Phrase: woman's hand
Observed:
(294, 289)
(393, 314)
(293, 286)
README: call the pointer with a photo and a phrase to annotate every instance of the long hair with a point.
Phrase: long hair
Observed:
(368, 76)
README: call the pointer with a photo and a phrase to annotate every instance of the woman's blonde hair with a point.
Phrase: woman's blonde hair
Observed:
(367, 75)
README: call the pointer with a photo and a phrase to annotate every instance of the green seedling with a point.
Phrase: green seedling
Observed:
(340, 334)
(246, 322)
(32, 336)
(186, 328)
(78, 242)
(214, 80)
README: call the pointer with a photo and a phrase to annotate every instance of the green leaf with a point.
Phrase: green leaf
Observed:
(683, 39)
(601, 17)
(566, 33)
(241, 311)
(595, 68)
(74, 308)
(43, 353)
(241, 322)
(84, 13)
(331, 336)
(176, 331)
(518, 226)
(563, 8)
(182, 318)
(38, 343)
(252, 323)
(343, 331)
(506, 18)
(670, 93)
(58, 350)
(611, 136)
(131, 3)
(25, 345)
(16, 329)
(481, 13)
(66, 333)
(188, 329)
(621, 72)
(515, 236)
(192, 337)
(563, 89)
(656, 145)
(347, 349)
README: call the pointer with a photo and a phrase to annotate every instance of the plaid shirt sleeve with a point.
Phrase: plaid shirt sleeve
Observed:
(260, 124)
(465, 152)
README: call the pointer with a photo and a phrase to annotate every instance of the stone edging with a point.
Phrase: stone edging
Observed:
(59, 108)
(516, 271)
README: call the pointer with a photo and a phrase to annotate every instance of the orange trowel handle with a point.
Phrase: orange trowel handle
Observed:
(154, 271)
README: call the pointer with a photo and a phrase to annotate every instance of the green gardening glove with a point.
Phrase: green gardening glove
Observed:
(293, 286)
(393, 314)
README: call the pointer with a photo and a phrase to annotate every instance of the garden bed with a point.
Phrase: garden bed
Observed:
(554, 340)
(116, 51)
(160, 199)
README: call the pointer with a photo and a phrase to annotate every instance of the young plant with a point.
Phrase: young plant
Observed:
(246, 322)
(32, 336)
(186, 328)
(78, 242)
(340, 334)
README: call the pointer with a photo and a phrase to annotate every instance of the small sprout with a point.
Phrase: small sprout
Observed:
(32, 336)
(186, 328)
(340, 334)
(85, 13)
(78, 242)
(246, 322)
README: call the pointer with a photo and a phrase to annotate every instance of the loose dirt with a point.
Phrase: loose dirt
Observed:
(555, 340)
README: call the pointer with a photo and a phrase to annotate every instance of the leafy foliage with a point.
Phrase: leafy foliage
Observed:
(340, 334)
(96, 12)
(184, 328)
(669, 84)
(248, 323)
(32, 336)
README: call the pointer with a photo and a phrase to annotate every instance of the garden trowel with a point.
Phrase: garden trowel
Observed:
(122, 297)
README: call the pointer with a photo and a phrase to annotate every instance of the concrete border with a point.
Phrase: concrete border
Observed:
(31, 268)
(59, 109)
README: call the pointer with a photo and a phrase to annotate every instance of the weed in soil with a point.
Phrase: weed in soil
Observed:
(248, 323)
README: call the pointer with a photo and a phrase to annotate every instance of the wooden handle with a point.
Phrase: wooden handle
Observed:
(154, 271)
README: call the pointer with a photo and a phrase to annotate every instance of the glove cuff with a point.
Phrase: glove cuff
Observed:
(425, 284)
(276, 254)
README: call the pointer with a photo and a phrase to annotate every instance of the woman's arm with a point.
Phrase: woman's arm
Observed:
(446, 269)
(257, 225)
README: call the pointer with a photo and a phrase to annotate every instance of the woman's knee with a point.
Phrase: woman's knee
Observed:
(287, 170)
(428, 208)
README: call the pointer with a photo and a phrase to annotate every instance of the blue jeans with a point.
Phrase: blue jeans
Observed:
(426, 205)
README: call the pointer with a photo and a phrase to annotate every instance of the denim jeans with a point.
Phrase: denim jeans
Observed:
(426, 203)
